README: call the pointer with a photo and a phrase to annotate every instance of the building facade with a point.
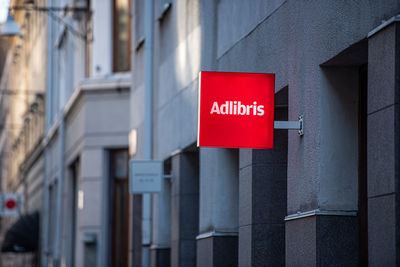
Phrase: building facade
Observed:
(22, 122)
(68, 76)
(325, 198)
(89, 88)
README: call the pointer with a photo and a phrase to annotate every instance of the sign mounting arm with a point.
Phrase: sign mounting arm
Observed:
(291, 125)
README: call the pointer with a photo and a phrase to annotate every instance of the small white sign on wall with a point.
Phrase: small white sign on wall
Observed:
(11, 204)
(145, 176)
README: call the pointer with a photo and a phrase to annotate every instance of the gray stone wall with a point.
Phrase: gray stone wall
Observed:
(383, 146)
(292, 39)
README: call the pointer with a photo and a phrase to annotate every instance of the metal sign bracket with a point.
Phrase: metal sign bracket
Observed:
(291, 125)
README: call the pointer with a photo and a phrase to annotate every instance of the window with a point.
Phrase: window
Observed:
(72, 203)
(121, 35)
(51, 234)
(119, 197)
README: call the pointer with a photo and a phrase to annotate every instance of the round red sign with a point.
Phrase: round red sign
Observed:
(11, 204)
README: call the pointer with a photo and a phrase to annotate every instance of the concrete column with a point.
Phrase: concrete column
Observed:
(218, 222)
(136, 230)
(102, 38)
(161, 238)
(184, 208)
(383, 122)
(322, 224)
(262, 199)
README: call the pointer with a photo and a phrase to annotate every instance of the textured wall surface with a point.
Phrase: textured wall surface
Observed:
(291, 39)
(383, 146)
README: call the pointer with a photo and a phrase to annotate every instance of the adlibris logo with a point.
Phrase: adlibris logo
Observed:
(237, 108)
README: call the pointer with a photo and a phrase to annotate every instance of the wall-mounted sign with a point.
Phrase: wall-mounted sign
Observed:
(145, 176)
(236, 110)
(10, 204)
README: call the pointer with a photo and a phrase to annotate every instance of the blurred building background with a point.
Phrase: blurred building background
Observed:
(90, 84)
(65, 91)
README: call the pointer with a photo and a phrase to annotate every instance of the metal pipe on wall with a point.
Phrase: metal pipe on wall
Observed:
(49, 113)
(61, 98)
(60, 188)
(148, 127)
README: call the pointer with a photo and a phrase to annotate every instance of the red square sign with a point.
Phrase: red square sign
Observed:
(236, 110)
